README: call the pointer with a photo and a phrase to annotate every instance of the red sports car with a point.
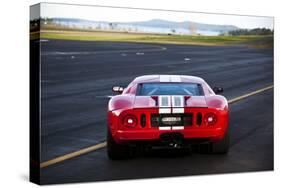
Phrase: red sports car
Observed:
(174, 111)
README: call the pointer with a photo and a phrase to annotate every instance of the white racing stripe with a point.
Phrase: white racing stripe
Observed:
(177, 128)
(164, 128)
(178, 110)
(170, 78)
(164, 78)
(175, 78)
(177, 104)
(177, 101)
(164, 110)
(171, 104)
(164, 104)
(171, 128)
(164, 101)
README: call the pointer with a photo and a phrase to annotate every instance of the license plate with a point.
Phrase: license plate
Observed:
(171, 120)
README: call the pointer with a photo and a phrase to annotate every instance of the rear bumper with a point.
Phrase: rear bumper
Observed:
(188, 133)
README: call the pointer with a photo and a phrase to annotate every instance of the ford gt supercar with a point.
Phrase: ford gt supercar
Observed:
(173, 111)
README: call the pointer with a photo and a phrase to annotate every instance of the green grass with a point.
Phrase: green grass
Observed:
(251, 41)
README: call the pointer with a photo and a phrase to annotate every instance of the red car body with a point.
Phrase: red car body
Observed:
(133, 117)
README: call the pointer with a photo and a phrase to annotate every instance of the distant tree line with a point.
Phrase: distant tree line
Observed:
(256, 31)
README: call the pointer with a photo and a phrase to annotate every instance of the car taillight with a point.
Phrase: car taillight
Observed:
(210, 119)
(130, 121)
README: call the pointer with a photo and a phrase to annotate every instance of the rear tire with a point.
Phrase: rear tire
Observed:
(222, 146)
(116, 151)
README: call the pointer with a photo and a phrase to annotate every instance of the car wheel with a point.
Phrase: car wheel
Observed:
(222, 146)
(116, 151)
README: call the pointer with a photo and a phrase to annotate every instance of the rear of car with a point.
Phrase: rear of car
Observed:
(167, 114)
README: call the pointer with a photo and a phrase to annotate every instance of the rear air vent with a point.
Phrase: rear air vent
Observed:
(143, 120)
(199, 119)
(187, 119)
(155, 120)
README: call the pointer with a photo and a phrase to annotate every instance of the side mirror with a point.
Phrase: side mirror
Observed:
(218, 90)
(117, 89)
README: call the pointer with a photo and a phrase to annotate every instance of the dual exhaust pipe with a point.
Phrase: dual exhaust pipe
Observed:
(174, 140)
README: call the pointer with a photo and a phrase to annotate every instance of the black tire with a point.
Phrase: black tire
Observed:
(116, 151)
(222, 146)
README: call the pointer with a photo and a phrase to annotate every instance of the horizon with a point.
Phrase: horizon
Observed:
(117, 14)
(150, 20)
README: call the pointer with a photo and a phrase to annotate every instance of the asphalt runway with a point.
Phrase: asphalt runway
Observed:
(76, 80)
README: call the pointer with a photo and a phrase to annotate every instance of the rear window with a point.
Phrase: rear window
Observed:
(149, 89)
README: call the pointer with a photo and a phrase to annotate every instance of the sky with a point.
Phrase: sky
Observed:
(127, 15)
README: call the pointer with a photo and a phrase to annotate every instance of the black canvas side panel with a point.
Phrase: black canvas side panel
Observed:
(34, 90)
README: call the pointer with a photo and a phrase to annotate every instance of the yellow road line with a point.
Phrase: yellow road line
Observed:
(103, 144)
(249, 94)
(72, 155)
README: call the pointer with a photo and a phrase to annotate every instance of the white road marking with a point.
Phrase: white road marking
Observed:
(105, 96)
(186, 59)
(155, 49)
(44, 40)
(46, 81)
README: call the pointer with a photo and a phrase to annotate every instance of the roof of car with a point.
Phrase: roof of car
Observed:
(168, 78)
